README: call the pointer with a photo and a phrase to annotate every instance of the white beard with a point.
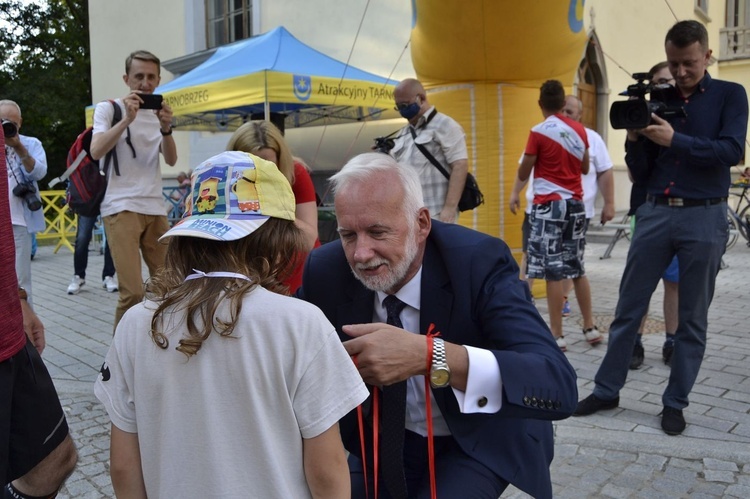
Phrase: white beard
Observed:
(396, 272)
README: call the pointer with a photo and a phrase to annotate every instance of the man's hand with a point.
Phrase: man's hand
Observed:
(659, 132)
(386, 354)
(515, 202)
(132, 104)
(33, 327)
(165, 116)
(608, 213)
(14, 142)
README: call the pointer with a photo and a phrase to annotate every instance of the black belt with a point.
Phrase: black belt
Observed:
(685, 201)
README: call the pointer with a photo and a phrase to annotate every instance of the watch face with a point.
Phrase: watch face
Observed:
(440, 377)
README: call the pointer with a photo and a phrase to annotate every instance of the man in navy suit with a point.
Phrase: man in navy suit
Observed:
(497, 377)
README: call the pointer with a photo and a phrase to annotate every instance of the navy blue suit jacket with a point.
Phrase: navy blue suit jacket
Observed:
(472, 293)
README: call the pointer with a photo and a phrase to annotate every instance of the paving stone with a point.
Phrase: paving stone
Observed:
(719, 476)
(718, 465)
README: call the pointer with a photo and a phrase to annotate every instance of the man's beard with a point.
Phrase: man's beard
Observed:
(396, 272)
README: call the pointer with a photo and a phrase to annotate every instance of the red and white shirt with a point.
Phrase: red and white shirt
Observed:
(559, 145)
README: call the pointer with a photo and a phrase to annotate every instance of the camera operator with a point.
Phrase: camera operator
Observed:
(26, 163)
(685, 163)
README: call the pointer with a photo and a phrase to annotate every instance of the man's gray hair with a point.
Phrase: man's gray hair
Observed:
(8, 102)
(363, 167)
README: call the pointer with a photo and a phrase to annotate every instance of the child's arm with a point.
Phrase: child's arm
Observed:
(125, 465)
(326, 469)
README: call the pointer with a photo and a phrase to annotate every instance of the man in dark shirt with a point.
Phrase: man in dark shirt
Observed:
(685, 164)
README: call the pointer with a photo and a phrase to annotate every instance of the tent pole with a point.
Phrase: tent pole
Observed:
(266, 104)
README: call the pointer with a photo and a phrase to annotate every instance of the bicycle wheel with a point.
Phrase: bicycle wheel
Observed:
(733, 228)
(745, 223)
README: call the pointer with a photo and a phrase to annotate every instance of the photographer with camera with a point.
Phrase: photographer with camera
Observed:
(685, 164)
(133, 206)
(26, 164)
(442, 137)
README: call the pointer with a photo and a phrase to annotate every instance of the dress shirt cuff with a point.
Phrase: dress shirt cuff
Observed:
(484, 384)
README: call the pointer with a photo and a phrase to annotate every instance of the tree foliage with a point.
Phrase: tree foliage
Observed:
(46, 69)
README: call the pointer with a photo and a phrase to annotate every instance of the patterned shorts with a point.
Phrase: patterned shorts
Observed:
(557, 240)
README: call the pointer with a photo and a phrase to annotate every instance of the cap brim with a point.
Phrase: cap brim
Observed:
(216, 229)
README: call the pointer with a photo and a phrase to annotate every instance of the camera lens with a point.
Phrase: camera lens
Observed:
(9, 128)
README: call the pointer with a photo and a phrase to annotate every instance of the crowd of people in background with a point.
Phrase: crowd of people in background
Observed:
(412, 342)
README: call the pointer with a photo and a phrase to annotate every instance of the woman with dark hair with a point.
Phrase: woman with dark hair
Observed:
(218, 385)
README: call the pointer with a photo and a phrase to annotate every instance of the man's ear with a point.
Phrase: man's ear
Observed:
(424, 223)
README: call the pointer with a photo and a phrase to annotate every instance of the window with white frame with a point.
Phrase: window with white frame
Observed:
(702, 6)
(228, 21)
(735, 36)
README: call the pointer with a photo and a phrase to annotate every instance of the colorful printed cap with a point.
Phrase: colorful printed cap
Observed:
(232, 194)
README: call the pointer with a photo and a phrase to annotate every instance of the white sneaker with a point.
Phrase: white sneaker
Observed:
(592, 335)
(110, 284)
(562, 344)
(75, 285)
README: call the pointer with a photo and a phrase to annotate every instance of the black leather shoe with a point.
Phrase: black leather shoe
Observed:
(672, 421)
(637, 359)
(592, 404)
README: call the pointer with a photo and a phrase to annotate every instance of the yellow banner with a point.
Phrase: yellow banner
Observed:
(284, 90)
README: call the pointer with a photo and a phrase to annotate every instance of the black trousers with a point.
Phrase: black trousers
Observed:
(457, 475)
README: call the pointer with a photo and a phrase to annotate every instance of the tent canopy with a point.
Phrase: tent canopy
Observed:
(275, 73)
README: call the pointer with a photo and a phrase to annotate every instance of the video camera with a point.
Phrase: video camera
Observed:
(636, 112)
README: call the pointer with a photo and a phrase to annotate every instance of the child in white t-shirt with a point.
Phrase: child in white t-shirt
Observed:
(218, 385)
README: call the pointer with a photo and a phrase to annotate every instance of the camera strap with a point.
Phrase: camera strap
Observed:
(10, 154)
(427, 153)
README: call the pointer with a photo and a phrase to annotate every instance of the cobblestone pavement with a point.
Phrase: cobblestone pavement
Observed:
(618, 453)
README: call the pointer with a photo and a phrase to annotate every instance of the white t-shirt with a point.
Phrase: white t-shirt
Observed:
(599, 161)
(229, 422)
(138, 187)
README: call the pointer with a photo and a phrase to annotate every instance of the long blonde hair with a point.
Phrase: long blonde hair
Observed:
(256, 135)
(265, 256)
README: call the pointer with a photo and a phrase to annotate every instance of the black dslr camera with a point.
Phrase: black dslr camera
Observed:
(9, 128)
(636, 112)
(383, 144)
(27, 192)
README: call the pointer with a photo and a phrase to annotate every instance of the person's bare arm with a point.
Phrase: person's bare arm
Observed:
(33, 327)
(459, 169)
(515, 195)
(168, 147)
(606, 182)
(125, 465)
(306, 215)
(326, 470)
(527, 164)
(102, 143)
(585, 163)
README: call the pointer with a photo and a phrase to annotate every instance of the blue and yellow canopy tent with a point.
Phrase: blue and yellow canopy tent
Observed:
(275, 73)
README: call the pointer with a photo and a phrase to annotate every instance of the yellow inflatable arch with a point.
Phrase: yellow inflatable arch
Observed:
(482, 63)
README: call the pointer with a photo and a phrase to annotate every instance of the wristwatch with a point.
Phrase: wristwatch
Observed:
(440, 373)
